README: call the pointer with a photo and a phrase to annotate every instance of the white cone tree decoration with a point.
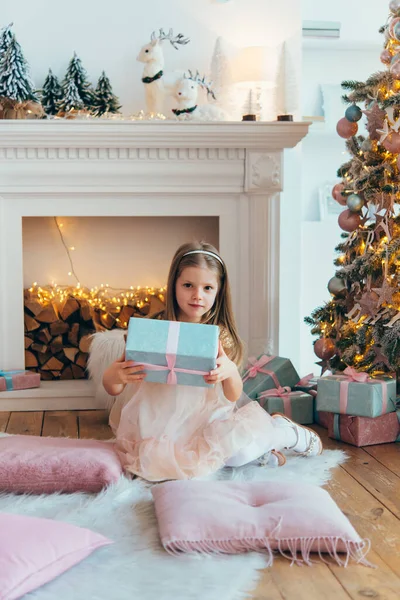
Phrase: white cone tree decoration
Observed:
(221, 77)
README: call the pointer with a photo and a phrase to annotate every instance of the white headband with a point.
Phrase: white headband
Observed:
(205, 252)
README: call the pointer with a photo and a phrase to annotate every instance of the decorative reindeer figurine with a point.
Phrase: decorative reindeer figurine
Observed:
(186, 96)
(153, 58)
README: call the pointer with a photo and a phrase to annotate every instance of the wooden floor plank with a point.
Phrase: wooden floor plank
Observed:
(368, 516)
(306, 583)
(388, 455)
(60, 423)
(4, 418)
(93, 424)
(382, 483)
(25, 423)
(266, 588)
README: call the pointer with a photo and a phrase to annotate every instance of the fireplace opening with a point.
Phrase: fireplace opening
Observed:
(88, 274)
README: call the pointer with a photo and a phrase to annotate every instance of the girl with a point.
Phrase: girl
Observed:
(179, 432)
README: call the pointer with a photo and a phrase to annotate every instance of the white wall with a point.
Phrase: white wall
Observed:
(354, 56)
(118, 251)
(109, 36)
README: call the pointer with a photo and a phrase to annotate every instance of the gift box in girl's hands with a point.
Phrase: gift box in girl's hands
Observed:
(266, 373)
(173, 352)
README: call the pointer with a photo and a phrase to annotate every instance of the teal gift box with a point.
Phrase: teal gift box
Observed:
(172, 351)
(266, 373)
(369, 398)
(298, 406)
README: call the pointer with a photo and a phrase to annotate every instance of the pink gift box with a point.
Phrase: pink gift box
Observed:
(323, 418)
(364, 431)
(18, 380)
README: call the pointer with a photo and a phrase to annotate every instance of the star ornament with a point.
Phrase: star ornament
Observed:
(384, 132)
(385, 293)
(380, 358)
(369, 303)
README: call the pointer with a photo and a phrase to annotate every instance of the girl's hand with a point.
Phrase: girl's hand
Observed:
(125, 371)
(225, 368)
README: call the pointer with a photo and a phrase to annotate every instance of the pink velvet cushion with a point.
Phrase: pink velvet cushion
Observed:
(232, 517)
(43, 465)
(34, 551)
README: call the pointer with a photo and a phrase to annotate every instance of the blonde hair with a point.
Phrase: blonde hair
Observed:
(221, 313)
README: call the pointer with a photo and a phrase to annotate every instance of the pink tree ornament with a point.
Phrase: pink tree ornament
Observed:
(346, 129)
(386, 57)
(349, 221)
(337, 194)
(392, 143)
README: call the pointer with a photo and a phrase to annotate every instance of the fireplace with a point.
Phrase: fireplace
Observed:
(228, 171)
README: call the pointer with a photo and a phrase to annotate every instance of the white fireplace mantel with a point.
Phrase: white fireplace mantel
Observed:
(232, 171)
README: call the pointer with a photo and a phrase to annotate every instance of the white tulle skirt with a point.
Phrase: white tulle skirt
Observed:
(180, 432)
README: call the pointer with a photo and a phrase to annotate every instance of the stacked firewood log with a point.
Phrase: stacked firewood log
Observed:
(58, 334)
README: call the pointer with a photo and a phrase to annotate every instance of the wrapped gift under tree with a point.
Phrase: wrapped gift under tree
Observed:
(173, 352)
(266, 373)
(357, 394)
(364, 431)
(18, 380)
(298, 406)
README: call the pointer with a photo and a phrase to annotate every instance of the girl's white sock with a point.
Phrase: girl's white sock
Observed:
(290, 434)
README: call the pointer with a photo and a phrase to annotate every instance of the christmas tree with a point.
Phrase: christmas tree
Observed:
(15, 81)
(360, 326)
(77, 74)
(71, 99)
(51, 94)
(221, 77)
(104, 99)
(5, 38)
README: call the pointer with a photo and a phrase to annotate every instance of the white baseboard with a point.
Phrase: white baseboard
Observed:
(53, 395)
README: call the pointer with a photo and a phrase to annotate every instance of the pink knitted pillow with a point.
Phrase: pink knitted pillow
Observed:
(43, 465)
(34, 551)
(232, 517)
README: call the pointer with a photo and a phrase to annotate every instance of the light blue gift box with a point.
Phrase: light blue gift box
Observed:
(196, 349)
(363, 400)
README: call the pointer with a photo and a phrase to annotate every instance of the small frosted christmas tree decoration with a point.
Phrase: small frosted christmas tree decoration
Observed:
(5, 38)
(104, 99)
(71, 100)
(15, 81)
(77, 74)
(221, 77)
(51, 94)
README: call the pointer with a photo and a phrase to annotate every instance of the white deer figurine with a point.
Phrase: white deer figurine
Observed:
(186, 93)
(153, 58)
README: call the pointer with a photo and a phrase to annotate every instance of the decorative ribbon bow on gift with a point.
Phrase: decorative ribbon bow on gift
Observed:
(8, 377)
(257, 366)
(305, 383)
(170, 355)
(350, 375)
(285, 394)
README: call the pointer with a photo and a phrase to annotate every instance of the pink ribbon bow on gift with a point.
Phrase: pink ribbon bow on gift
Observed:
(351, 375)
(257, 366)
(305, 382)
(285, 394)
(170, 355)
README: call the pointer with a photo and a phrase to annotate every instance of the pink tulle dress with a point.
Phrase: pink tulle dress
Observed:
(180, 432)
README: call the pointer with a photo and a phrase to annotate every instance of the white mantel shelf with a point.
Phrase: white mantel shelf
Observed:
(59, 133)
(92, 168)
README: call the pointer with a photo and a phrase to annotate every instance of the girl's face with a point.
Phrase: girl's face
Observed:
(195, 290)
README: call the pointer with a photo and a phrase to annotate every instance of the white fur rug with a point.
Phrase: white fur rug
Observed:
(136, 567)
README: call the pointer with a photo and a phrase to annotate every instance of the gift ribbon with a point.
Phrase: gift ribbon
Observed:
(171, 352)
(285, 394)
(336, 427)
(352, 376)
(305, 383)
(8, 375)
(257, 366)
